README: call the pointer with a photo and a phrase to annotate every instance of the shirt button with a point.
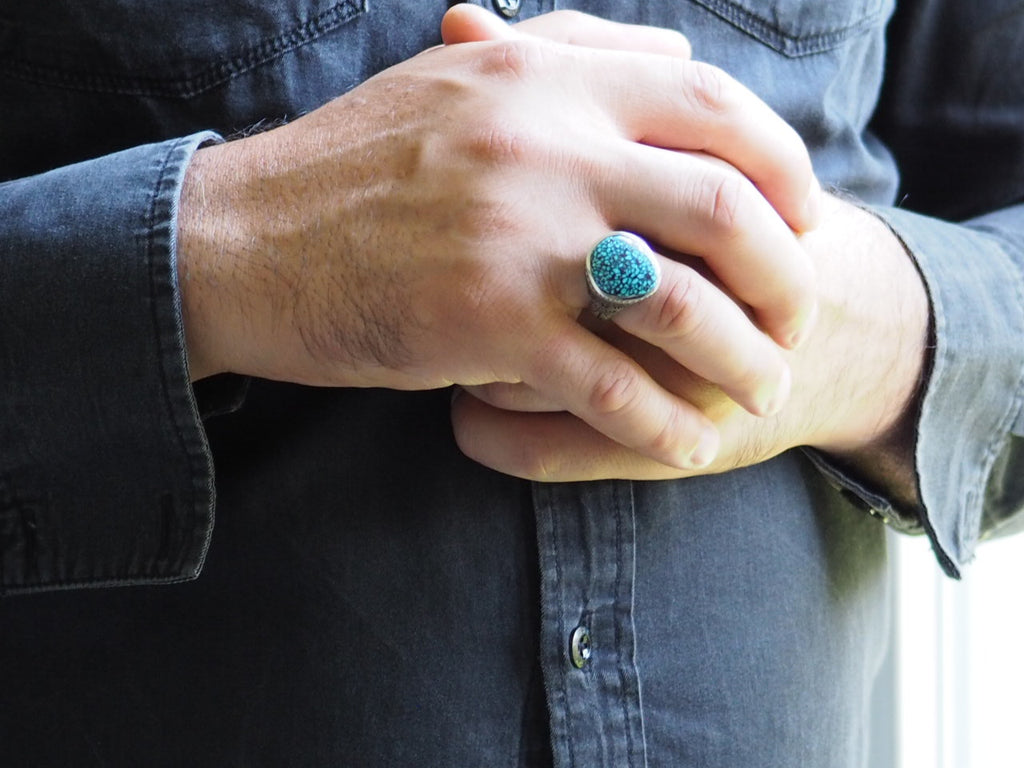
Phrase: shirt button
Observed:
(508, 8)
(580, 648)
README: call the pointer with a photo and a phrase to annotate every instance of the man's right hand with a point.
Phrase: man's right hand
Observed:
(430, 228)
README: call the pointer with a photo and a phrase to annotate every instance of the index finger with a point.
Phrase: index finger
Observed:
(690, 105)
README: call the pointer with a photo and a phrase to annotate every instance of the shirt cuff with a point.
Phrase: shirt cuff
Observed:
(972, 400)
(105, 474)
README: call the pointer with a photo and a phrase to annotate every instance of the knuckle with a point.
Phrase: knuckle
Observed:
(520, 59)
(617, 389)
(708, 88)
(725, 195)
(671, 433)
(679, 314)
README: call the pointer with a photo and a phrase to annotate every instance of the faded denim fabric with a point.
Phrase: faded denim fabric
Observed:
(367, 595)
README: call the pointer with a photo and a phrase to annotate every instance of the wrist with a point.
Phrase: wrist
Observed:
(879, 338)
(203, 263)
(190, 255)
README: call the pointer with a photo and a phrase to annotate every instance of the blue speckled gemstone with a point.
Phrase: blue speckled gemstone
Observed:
(623, 268)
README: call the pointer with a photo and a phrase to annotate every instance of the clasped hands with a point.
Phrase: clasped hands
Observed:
(429, 228)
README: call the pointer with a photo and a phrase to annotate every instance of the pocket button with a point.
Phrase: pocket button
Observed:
(508, 8)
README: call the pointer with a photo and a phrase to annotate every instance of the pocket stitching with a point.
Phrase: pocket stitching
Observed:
(793, 46)
(209, 77)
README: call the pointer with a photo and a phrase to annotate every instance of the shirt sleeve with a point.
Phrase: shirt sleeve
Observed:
(105, 475)
(970, 441)
(951, 113)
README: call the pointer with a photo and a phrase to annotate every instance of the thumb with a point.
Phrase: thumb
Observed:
(466, 23)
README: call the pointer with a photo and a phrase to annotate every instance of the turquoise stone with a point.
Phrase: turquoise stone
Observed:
(622, 269)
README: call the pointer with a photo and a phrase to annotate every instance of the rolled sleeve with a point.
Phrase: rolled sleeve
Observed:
(105, 475)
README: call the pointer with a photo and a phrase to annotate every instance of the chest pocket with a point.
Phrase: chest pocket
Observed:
(167, 49)
(800, 27)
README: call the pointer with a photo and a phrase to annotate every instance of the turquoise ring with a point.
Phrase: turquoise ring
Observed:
(621, 271)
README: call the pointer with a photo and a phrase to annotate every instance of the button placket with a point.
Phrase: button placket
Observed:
(586, 542)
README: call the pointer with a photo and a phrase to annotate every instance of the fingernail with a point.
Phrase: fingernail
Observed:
(799, 336)
(773, 402)
(706, 450)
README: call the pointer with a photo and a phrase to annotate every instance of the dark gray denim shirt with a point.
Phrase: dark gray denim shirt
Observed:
(369, 596)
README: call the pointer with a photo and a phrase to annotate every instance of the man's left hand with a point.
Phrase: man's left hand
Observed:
(855, 381)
